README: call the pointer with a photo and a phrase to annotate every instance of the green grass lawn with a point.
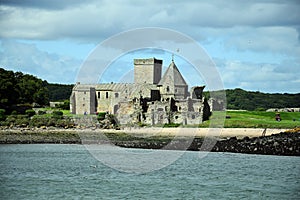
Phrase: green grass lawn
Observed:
(256, 119)
(243, 119)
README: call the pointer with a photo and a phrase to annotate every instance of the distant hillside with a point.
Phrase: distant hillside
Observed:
(244, 100)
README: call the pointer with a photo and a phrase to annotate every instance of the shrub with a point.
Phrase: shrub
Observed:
(140, 124)
(11, 119)
(30, 112)
(16, 120)
(14, 112)
(260, 109)
(38, 121)
(62, 123)
(2, 115)
(22, 122)
(101, 116)
(4, 123)
(41, 112)
(51, 122)
(21, 109)
(171, 125)
(57, 114)
(64, 106)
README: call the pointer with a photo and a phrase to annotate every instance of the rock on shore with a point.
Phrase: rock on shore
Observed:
(284, 143)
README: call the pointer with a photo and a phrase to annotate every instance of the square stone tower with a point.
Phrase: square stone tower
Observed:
(147, 70)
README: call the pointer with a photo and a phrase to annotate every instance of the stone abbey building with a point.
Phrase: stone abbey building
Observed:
(152, 98)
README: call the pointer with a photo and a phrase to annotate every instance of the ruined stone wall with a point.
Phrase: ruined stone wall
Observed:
(157, 113)
(216, 105)
(158, 117)
(194, 118)
(197, 92)
(180, 92)
(126, 113)
(189, 111)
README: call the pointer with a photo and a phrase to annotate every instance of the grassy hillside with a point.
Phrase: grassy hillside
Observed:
(257, 119)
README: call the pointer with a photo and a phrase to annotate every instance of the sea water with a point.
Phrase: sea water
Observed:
(59, 171)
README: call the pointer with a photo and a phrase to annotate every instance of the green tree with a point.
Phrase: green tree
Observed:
(2, 115)
(8, 93)
(18, 88)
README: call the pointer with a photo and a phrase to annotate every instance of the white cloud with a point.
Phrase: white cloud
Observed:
(259, 39)
(264, 77)
(29, 59)
(94, 18)
(281, 40)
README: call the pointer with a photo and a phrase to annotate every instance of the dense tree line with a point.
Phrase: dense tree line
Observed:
(18, 88)
(22, 90)
(59, 92)
(245, 100)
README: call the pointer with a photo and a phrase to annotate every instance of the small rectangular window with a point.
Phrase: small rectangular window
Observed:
(98, 95)
(107, 95)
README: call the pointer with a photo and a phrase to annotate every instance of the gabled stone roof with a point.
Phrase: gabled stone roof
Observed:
(173, 73)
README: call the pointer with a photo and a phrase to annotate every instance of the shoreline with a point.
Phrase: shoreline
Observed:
(236, 140)
(204, 132)
(219, 133)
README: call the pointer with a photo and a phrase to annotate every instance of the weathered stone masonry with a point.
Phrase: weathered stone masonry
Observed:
(151, 99)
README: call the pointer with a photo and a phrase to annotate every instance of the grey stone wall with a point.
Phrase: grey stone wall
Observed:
(147, 70)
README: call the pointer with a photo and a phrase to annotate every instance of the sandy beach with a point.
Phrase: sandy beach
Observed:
(201, 132)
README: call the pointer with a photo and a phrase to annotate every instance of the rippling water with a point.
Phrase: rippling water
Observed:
(70, 172)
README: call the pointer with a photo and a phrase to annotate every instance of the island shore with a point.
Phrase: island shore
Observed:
(238, 140)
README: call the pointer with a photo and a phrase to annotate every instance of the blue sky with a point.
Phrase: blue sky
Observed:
(254, 44)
